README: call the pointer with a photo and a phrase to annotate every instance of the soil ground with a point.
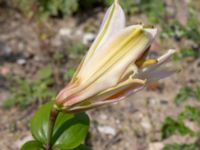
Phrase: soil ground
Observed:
(133, 124)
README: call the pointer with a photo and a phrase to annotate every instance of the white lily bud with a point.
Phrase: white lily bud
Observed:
(110, 71)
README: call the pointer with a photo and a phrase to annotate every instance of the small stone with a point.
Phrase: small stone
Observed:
(21, 46)
(156, 146)
(145, 123)
(21, 61)
(192, 125)
(107, 130)
(37, 58)
(88, 38)
(65, 32)
(103, 117)
(78, 32)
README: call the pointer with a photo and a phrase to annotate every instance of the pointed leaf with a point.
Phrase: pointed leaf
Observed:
(69, 131)
(32, 145)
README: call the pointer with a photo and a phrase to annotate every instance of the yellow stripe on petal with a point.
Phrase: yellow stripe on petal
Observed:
(111, 52)
(105, 69)
(101, 35)
(133, 40)
(113, 22)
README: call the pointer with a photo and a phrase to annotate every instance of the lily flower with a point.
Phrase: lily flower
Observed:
(115, 66)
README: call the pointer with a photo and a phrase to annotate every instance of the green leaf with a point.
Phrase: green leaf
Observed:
(197, 92)
(183, 94)
(69, 131)
(32, 145)
(82, 147)
(39, 123)
(24, 91)
(45, 73)
(172, 126)
(181, 147)
(191, 113)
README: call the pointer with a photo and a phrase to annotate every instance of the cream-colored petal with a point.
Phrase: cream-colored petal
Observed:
(105, 70)
(158, 74)
(113, 22)
(106, 101)
(161, 60)
(116, 91)
(134, 40)
(155, 71)
(134, 69)
(131, 70)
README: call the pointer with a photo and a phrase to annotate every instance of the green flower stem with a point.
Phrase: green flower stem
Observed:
(52, 119)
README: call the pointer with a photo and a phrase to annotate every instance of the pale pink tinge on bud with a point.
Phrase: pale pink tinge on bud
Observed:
(115, 65)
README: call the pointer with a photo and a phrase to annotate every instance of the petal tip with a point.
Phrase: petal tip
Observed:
(151, 31)
(172, 51)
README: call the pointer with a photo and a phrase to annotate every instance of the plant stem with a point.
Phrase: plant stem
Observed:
(52, 119)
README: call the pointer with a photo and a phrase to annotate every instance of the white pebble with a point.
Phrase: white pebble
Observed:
(88, 38)
(107, 130)
(21, 61)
